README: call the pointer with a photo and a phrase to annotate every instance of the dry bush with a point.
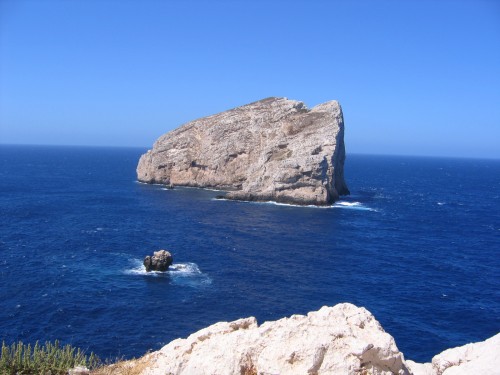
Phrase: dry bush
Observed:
(132, 367)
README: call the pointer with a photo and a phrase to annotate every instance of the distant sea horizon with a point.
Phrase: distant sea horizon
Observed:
(445, 156)
(416, 243)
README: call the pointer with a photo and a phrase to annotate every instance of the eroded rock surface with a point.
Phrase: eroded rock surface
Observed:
(339, 340)
(343, 339)
(273, 149)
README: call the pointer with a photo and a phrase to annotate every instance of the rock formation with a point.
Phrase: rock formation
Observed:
(478, 358)
(273, 149)
(160, 261)
(338, 340)
(334, 340)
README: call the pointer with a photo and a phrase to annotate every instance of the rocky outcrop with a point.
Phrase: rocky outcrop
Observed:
(273, 149)
(160, 261)
(478, 358)
(343, 339)
(339, 340)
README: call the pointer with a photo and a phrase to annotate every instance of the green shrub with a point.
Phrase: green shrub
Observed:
(49, 359)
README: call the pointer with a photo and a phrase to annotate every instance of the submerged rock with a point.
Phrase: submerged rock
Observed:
(160, 261)
(273, 149)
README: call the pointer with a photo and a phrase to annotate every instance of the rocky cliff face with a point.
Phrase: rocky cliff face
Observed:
(339, 340)
(274, 149)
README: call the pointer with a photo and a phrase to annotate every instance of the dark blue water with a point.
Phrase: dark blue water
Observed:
(417, 243)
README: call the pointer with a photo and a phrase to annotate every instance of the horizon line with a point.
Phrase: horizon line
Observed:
(347, 153)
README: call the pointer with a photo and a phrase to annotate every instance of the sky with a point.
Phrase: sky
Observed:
(413, 77)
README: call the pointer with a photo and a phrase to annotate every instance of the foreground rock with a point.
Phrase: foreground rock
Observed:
(79, 370)
(274, 149)
(160, 261)
(343, 339)
(478, 358)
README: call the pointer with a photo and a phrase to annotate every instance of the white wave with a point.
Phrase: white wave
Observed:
(289, 204)
(179, 273)
(440, 203)
(185, 269)
(213, 189)
(349, 204)
(272, 203)
(352, 206)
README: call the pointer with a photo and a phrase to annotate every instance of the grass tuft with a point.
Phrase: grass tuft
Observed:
(51, 358)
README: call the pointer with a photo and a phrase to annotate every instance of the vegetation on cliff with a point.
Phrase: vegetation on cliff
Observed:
(50, 358)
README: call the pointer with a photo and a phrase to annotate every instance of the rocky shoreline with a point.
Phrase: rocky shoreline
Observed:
(274, 149)
(343, 339)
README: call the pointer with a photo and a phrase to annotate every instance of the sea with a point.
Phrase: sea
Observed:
(417, 243)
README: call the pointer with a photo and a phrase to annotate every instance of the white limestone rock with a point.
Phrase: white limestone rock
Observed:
(273, 149)
(477, 358)
(339, 340)
(343, 339)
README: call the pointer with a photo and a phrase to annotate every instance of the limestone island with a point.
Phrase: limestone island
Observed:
(274, 149)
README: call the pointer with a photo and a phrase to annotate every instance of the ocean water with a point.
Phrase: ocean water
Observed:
(417, 243)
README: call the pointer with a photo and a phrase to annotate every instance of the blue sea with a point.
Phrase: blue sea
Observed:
(417, 243)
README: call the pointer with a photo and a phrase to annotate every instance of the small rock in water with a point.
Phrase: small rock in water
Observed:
(160, 261)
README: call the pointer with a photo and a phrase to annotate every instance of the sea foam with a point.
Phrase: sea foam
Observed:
(338, 204)
(272, 203)
(179, 273)
(352, 206)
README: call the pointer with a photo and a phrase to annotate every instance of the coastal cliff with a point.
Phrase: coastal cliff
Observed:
(338, 340)
(274, 149)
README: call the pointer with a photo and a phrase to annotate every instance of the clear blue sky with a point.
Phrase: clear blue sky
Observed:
(413, 77)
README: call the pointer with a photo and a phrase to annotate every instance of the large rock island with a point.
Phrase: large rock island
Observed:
(274, 149)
